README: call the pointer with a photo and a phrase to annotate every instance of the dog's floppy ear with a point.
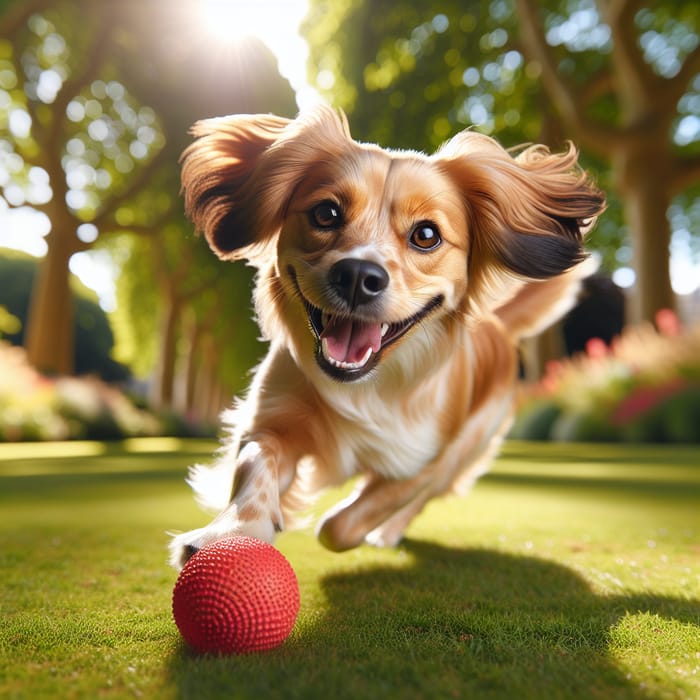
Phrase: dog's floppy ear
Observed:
(527, 214)
(240, 173)
(225, 194)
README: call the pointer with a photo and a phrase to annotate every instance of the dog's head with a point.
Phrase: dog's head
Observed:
(358, 246)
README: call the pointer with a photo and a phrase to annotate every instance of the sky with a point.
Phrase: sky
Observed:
(276, 22)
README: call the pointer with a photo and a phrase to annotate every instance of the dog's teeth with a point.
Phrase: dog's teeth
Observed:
(324, 350)
(364, 360)
(344, 365)
(385, 329)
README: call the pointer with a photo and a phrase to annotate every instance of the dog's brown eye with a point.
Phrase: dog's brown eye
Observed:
(425, 236)
(326, 214)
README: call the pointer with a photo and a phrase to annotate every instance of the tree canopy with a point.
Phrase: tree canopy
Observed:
(96, 101)
(618, 77)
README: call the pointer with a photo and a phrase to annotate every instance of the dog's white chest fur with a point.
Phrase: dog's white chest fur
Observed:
(370, 433)
(389, 445)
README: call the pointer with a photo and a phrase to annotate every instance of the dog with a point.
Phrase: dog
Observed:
(393, 288)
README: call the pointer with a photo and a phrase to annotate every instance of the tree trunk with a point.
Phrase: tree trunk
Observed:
(645, 206)
(207, 400)
(220, 399)
(164, 377)
(538, 350)
(190, 369)
(50, 335)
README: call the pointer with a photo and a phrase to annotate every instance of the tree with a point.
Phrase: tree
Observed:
(645, 87)
(618, 78)
(203, 305)
(184, 318)
(78, 147)
(102, 95)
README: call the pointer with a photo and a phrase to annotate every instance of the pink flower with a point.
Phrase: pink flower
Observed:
(596, 349)
(643, 399)
(668, 322)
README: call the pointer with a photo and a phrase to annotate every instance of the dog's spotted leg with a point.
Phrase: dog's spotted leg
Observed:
(254, 509)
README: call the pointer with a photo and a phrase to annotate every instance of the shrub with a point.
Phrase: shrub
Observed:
(681, 416)
(645, 387)
(535, 421)
(583, 427)
(33, 407)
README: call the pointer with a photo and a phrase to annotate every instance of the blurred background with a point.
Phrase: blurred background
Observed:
(116, 320)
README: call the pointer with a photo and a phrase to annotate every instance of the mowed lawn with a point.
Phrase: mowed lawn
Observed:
(570, 571)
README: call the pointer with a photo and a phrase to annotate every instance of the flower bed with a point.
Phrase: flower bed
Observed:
(34, 407)
(645, 387)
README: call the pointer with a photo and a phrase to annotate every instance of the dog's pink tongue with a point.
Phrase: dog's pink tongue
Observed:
(347, 340)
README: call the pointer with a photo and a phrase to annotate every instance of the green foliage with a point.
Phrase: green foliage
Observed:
(681, 414)
(584, 427)
(135, 320)
(215, 297)
(237, 337)
(93, 333)
(9, 324)
(534, 421)
(412, 74)
(17, 273)
(424, 70)
(570, 572)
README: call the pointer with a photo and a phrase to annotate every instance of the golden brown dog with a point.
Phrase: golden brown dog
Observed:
(393, 288)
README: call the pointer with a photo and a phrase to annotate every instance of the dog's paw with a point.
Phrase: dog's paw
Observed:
(385, 537)
(183, 546)
(225, 525)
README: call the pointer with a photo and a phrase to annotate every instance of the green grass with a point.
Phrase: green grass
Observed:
(569, 572)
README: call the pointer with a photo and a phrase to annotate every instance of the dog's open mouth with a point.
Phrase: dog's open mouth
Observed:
(349, 346)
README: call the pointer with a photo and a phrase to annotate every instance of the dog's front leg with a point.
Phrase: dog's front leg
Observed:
(380, 509)
(376, 499)
(254, 509)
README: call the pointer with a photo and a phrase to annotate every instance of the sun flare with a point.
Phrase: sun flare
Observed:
(270, 20)
(230, 20)
(275, 22)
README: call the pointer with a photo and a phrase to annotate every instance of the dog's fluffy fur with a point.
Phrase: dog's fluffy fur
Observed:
(393, 288)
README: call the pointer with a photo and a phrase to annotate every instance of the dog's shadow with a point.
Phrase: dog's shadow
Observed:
(459, 623)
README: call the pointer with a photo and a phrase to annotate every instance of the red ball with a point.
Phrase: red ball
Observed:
(236, 596)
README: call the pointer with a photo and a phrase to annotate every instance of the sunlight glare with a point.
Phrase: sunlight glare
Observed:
(97, 271)
(276, 23)
(230, 20)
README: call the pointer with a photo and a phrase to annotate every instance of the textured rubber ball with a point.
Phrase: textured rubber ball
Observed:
(236, 596)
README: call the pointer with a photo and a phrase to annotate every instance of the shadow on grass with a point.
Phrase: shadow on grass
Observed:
(447, 623)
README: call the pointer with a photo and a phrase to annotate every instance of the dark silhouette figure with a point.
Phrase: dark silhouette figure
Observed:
(599, 313)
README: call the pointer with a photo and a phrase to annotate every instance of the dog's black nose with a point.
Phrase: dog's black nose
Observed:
(358, 281)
